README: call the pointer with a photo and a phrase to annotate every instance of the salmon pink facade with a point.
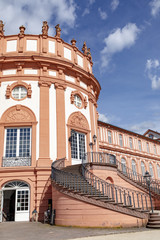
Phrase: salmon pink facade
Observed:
(54, 153)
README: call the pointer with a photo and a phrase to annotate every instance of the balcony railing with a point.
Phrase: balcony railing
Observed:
(16, 161)
(99, 157)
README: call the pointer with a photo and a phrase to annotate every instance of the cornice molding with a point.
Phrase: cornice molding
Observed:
(128, 152)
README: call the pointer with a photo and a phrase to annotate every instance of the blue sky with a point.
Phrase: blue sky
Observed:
(124, 37)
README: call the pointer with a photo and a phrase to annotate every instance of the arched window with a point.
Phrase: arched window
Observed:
(158, 171)
(16, 184)
(143, 168)
(134, 167)
(151, 170)
(123, 165)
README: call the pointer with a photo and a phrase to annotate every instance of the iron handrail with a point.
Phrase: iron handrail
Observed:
(120, 195)
(93, 186)
(100, 157)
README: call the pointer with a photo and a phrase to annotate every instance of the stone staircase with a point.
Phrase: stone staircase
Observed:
(154, 221)
(89, 188)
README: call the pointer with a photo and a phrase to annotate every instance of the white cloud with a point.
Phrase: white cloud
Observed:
(31, 14)
(91, 2)
(153, 72)
(152, 64)
(114, 4)
(155, 7)
(103, 117)
(118, 40)
(144, 126)
(103, 14)
(86, 11)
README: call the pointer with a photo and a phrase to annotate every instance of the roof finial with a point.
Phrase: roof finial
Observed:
(58, 31)
(1, 28)
(22, 29)
(89, 54)
(73, 41)
(45, 28)
(84, 49)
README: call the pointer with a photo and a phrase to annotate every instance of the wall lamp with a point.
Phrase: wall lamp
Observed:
(94, 141)
(147, 178)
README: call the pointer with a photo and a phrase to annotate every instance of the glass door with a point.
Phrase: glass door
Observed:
(77, 147)
(22, 205)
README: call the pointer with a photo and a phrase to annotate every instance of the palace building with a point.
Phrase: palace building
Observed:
(54, 152)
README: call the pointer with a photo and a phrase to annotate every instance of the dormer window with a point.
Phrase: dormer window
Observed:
(151, 136)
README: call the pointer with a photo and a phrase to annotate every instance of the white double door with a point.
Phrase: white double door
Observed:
(22, 205)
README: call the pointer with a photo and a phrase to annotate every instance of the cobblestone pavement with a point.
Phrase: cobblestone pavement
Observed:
(39, 231)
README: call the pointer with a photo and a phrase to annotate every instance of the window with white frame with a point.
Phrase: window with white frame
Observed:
(158, 171)
(147, 144)
(134, 167)
(130, 142)
(18, 142)
(77, 145)
(19, 92)
(151, 170)
(139, 145)
(77, 100)
(109, 136)
(120, 140)
(155, 150)
(143, 168)
(123, 165)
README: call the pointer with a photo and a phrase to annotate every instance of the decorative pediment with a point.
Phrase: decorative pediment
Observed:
(78, 120)
(18, 114)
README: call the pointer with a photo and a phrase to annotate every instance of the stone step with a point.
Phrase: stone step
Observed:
(154, 223)
(154, 214)
(154, 219)
(153, 226)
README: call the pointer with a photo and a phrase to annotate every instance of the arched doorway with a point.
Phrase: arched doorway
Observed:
(16, 201)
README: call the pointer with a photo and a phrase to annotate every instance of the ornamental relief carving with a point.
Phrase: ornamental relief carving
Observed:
(18, 114)
(78, 120)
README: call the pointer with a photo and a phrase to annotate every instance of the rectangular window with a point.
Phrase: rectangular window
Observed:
(147, 144)
(155, 150)
(11, 46)
(77, 145)
(120, 140)
(130, 143)
(139, 145)
(31, 45)
(109, 136)
(18, 142)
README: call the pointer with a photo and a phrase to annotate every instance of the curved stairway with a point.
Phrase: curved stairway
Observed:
(78, 182)
(126, 173)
